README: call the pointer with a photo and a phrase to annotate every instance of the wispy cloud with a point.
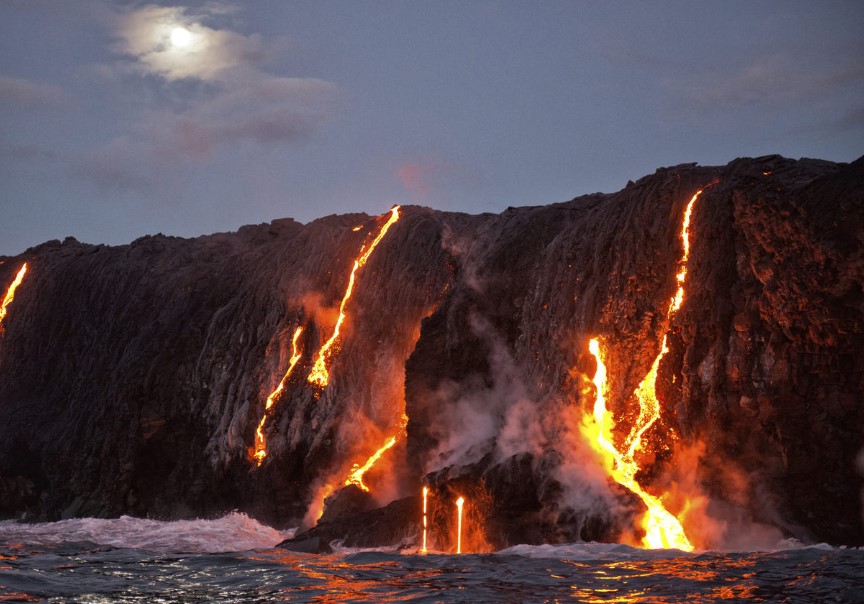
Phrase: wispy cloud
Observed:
(149, 36)
(26, 94)
(217, 95)
(775, 78)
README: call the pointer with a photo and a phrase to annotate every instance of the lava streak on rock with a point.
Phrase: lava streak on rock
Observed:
(320, 375)
(10, 294)
(260, 441)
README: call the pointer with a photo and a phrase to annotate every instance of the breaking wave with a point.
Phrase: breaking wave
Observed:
(231, 533)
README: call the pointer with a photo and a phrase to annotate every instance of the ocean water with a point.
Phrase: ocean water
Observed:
(232, 559)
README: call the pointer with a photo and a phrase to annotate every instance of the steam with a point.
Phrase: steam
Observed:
(484, 413)
(725, 521)
(314, 307)
(498, 414)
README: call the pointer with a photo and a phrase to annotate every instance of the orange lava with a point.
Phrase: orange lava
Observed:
(459, 503)
(662, 529)
(320, 375)
(260, 441)
(357, 472)
(425, 523)
(10, 293)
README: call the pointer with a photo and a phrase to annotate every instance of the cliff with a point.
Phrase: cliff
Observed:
(132, 378)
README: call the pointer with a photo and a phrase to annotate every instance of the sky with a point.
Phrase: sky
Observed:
(120, 119)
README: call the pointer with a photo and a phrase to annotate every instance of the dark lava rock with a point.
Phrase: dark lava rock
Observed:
(398, 523)
(132, 378)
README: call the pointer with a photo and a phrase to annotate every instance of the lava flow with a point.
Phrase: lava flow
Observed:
(10, 293)
(320, 375)
(662, 529)
(357, 472)
(459, 503)
(260, 441)
(425, 495)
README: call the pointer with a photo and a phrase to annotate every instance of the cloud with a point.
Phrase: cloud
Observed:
(414, 177)
(775, 78)
(25, 94)
(25, 153)
(122, 165)
(213, 95)
(428, 177)
(145, 35)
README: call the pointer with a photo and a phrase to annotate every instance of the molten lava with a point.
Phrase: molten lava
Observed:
(425, 523)
(662, 529)
(10, 293)
(357, 472)
(320, 375)
(459, 503)
(260, 441)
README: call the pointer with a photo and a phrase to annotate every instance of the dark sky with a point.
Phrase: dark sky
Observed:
(122, 119)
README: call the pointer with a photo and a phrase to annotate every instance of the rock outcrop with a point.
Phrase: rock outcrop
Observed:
(132, 378)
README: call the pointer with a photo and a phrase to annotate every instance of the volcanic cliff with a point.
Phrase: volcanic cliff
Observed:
(132, 378)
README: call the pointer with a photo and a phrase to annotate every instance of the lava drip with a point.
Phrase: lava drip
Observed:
(260, 441)
(320, 375)
(662, 529)
(459, 503)
(425, 522)
(10, 294)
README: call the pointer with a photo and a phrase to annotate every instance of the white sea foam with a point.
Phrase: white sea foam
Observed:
(234, 532)
(594, 551)
(588, 551)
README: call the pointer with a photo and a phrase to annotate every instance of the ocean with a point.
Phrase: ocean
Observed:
(233, 559)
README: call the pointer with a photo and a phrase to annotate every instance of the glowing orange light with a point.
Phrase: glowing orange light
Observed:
(10, 293)
(425, 494)
(260, 441)
(357, 228)
(357, 472)
(320, 375)
(662, 529)
(459, 503)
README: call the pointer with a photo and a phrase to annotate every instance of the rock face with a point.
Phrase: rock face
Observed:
(132, 378)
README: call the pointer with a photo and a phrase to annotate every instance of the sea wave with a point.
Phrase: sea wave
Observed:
(231, 533)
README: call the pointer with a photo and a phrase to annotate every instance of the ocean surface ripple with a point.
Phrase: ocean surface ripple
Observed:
(233, 559)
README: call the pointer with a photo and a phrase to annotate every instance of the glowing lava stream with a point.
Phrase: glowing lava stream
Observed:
(260, 441)
(319, 375)
(662, 529)
(357, 472)
(10, 293)
(459, 503)
(425, 494)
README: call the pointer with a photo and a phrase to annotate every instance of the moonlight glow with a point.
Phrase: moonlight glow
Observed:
(181, 37)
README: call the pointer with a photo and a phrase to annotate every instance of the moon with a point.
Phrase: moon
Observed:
(181, 37)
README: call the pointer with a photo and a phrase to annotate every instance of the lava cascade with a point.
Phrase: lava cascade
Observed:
(320, 375)
(260, 441)
(10, 293)
(662, 529)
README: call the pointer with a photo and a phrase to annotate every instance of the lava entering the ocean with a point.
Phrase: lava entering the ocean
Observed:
(320, 375)
(260, 440)
(662, 529)
(425, 522)
(459, 503)
(10, 294)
